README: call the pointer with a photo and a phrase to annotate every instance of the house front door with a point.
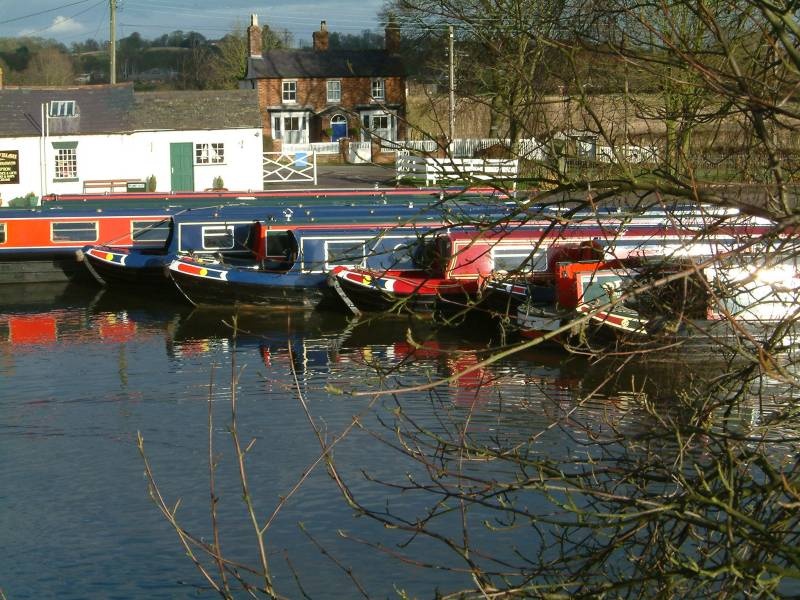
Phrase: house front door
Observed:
(338, 128)
(181, 167)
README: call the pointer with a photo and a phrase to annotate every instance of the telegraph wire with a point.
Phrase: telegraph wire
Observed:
(42, 12)
(77, 14)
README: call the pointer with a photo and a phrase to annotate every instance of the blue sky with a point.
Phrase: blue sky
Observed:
(71, 21)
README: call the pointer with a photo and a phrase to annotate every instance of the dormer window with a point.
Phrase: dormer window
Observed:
(62, 108)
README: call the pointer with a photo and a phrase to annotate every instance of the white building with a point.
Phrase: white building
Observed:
(81, 139)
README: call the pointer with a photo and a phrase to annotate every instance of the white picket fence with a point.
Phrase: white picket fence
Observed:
(315, 147)
(459, 148)
(530, 149)
(436, 170)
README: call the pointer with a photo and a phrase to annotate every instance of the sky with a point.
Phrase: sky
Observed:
(69, 21)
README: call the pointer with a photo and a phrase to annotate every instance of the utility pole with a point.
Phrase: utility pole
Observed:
(452, 114)
(112, 44)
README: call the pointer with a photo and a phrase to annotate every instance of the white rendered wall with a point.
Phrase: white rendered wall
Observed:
(29, 150)
(135, 156)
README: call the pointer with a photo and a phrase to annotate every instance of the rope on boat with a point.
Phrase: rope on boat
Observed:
(334, 282)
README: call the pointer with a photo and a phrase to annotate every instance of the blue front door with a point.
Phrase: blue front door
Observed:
(338, 128)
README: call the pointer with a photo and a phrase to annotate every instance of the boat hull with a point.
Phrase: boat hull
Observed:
(42, 268)
(401, 292)
(119, 267)
(218, 285)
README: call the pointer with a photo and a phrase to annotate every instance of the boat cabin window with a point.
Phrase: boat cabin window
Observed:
(150, 231)
(402, 256)
(393, 251)
(519, 258)
(280, 244)
(218, 237)
(602, 286)
(344, 252)
(2, 233)
(74, 231)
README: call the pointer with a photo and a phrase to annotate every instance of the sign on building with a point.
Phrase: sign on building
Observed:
(9, 166)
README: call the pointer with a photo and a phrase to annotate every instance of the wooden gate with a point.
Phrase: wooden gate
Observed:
(280, 167)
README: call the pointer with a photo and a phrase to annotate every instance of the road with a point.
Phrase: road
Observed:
(345, 176)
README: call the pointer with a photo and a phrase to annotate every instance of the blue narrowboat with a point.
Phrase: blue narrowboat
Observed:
(292, 270)
(38, 244)
(236, 233)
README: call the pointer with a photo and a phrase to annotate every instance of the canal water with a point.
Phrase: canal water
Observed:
(83, 372)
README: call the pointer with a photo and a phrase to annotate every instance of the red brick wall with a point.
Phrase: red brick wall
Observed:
(356, 91)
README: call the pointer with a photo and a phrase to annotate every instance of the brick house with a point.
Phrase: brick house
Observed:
(319, 95)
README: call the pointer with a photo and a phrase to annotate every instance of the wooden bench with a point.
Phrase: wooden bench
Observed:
(108, 185)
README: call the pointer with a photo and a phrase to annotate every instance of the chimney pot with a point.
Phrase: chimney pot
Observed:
(254, 37)
(391, 40)
(321, 37)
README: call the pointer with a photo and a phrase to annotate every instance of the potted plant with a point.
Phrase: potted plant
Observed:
(151, 183)
(218, 184)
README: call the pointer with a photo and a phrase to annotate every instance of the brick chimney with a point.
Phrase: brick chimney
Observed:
(254, 37)
(321, 37)
(392, 37)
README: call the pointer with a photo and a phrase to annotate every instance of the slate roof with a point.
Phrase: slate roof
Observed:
(108, 109)
(101, 109)
(192, 110)
(284, 64)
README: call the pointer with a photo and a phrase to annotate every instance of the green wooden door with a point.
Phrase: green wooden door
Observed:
(182, 168)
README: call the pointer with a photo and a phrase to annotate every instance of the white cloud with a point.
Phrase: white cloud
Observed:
(66, 26)
(61, 26)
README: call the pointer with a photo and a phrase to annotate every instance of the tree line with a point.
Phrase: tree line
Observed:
(177, 60)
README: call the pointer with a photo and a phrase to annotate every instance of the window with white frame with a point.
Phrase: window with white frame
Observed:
(218, 237)
(61, 108)
(74, 231)
(519, 258)
(378, 89)
(344, 252)
(209, 154)
(150, 232)
(289, 91)
(334, 87)
(66, 163)
(290, 127)
(379, 124)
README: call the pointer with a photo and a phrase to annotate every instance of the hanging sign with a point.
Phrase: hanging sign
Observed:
(9, 166)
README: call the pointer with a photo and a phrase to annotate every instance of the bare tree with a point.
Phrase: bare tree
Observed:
(684, 486)
(49, 66)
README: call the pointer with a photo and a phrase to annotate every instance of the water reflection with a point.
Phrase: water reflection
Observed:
(82, 370)
(330, 349)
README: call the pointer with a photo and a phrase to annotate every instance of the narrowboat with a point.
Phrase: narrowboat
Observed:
(292, 266)
(39, 243)
(38, 246)
(584, 287)
(447, 268)
(490, 268)
(237, 234)
(665, 301)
